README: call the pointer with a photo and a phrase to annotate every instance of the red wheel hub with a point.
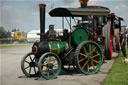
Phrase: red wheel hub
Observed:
(91, 57)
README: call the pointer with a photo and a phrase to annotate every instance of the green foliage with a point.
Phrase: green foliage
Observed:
(9, 34)
(119, 73)
(4, 33)
(14, 30)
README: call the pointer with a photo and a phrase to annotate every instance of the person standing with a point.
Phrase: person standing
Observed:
(127, 38)
(123, 43)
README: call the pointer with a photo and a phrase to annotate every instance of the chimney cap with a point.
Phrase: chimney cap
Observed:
(83, 1)
(42, 5)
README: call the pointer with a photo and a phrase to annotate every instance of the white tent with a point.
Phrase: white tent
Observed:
(33, 35)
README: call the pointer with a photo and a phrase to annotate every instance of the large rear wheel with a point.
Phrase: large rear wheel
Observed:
(88, 57)
(108, 43)
(49, 65)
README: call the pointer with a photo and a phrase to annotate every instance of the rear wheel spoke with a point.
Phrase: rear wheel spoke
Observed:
(92, 64)
(96, 61)
(96, 55)
(93, 49)
(83, 54)
(81, 60)
(84, 50)
(85, 64)
(88, 67)
(90, 48)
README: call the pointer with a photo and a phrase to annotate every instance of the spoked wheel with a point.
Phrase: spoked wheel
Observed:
(29, 65)
(88, 57)
(69, 68)
(49, 65)
(108, 43)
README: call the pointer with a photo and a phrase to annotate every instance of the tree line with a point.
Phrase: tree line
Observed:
(6, 34)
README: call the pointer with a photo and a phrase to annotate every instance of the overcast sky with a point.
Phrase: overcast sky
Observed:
(24, 14)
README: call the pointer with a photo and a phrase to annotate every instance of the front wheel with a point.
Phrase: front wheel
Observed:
(49, 65)
(29, 65)
(88, 57)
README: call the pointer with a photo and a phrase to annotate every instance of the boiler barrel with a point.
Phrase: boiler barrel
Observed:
(55, 47)
(58, 47)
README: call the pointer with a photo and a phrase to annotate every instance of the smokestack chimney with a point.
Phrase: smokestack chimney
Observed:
(84, 3)
(42, 22)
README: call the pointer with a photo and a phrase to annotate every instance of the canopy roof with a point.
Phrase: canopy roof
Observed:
(120, 18)
(78, 12)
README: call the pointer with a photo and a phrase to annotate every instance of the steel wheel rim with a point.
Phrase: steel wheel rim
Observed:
(49, 65)
(89, 58)
(29, 65)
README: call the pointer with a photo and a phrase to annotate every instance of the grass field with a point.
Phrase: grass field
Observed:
(119, 72)
(13, 45)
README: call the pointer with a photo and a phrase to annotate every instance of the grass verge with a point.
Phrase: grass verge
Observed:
(13, 45)
(119, 72)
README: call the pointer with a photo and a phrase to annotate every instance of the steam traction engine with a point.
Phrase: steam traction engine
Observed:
(71, 51)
